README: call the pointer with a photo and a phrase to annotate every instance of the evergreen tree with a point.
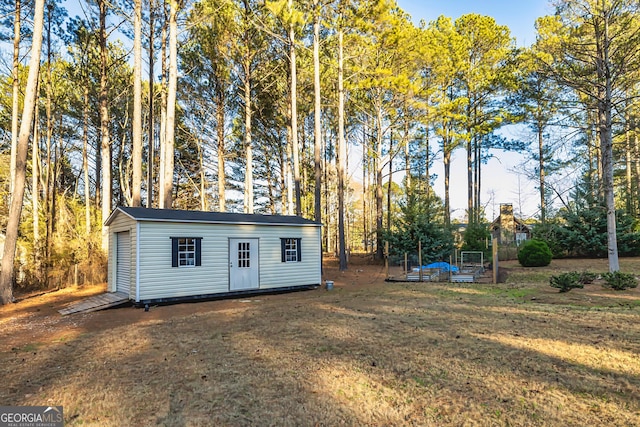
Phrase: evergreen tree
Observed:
(421, 220)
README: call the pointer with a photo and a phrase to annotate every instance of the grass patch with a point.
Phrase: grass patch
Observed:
(27, 348)
(510, 292)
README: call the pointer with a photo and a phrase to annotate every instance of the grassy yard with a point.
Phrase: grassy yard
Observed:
(366, 353)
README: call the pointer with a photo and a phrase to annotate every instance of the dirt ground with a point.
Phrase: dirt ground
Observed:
(35, 317)
(367, 353)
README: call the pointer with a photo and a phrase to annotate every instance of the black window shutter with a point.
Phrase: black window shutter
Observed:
(198, 251)
(299, 247)
(174, 252)
(283, 246)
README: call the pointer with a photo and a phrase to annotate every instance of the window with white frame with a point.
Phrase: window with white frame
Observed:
(291, 249)
(186, 251)
(244, 255)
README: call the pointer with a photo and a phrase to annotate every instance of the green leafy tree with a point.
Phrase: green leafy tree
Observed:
(421, 220)
(537, 102)
(445, 45)
(592, 47)
(552, 232)
(484, 75)
(476, 237)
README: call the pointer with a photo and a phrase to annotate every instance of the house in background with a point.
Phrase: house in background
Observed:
(507, 229)
(160, 255)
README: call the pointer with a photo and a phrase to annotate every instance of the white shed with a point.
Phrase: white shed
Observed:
(160, 255)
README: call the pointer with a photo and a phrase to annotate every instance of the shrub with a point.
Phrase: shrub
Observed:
(566, 281)
(619, 281)
(587, 277)
(534, 253)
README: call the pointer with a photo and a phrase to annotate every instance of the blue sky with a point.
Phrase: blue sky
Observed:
(502, 178)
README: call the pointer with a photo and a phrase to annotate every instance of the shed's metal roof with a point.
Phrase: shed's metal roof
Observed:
(174, 215)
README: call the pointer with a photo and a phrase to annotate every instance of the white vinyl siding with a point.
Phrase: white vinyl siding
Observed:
(274, 273)
(159, 280)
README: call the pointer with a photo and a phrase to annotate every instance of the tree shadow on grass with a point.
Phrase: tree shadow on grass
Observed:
(391, 356)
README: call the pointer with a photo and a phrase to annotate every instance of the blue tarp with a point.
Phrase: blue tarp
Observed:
(444, 267)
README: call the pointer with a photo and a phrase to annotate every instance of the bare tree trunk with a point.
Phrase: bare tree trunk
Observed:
(606, 144)
(378, 180)
(446, 158)
(171, 106)
(204, 205)
(327, 212)
(598, 153)
(151, 143)
(477, 184)
(163, 110)
(470, 193)
(427, 159)
(342, 154)
(636, 150)
(389, 183)
(543, 206)
(49, 209)
(246, 66)
(591, 142)
(288, 201)
(407, 158)
(16, 95)
(628, 154)
(220, 113)
(124, 165)
(248, 181)
(137, 105)
(15, 210)
(271, 180)
(85, 158)
(35, 173)
(365, 187)
(105, 144)
(317, 124)
(606, 147)
(294, 114)
(35, 190)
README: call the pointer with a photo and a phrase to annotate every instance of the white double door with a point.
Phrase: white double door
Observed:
(243, 264)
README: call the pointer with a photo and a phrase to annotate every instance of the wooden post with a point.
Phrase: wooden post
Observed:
(494, 252)
(386, 258)
(75, 275)
(419, 260)
(406, 264)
